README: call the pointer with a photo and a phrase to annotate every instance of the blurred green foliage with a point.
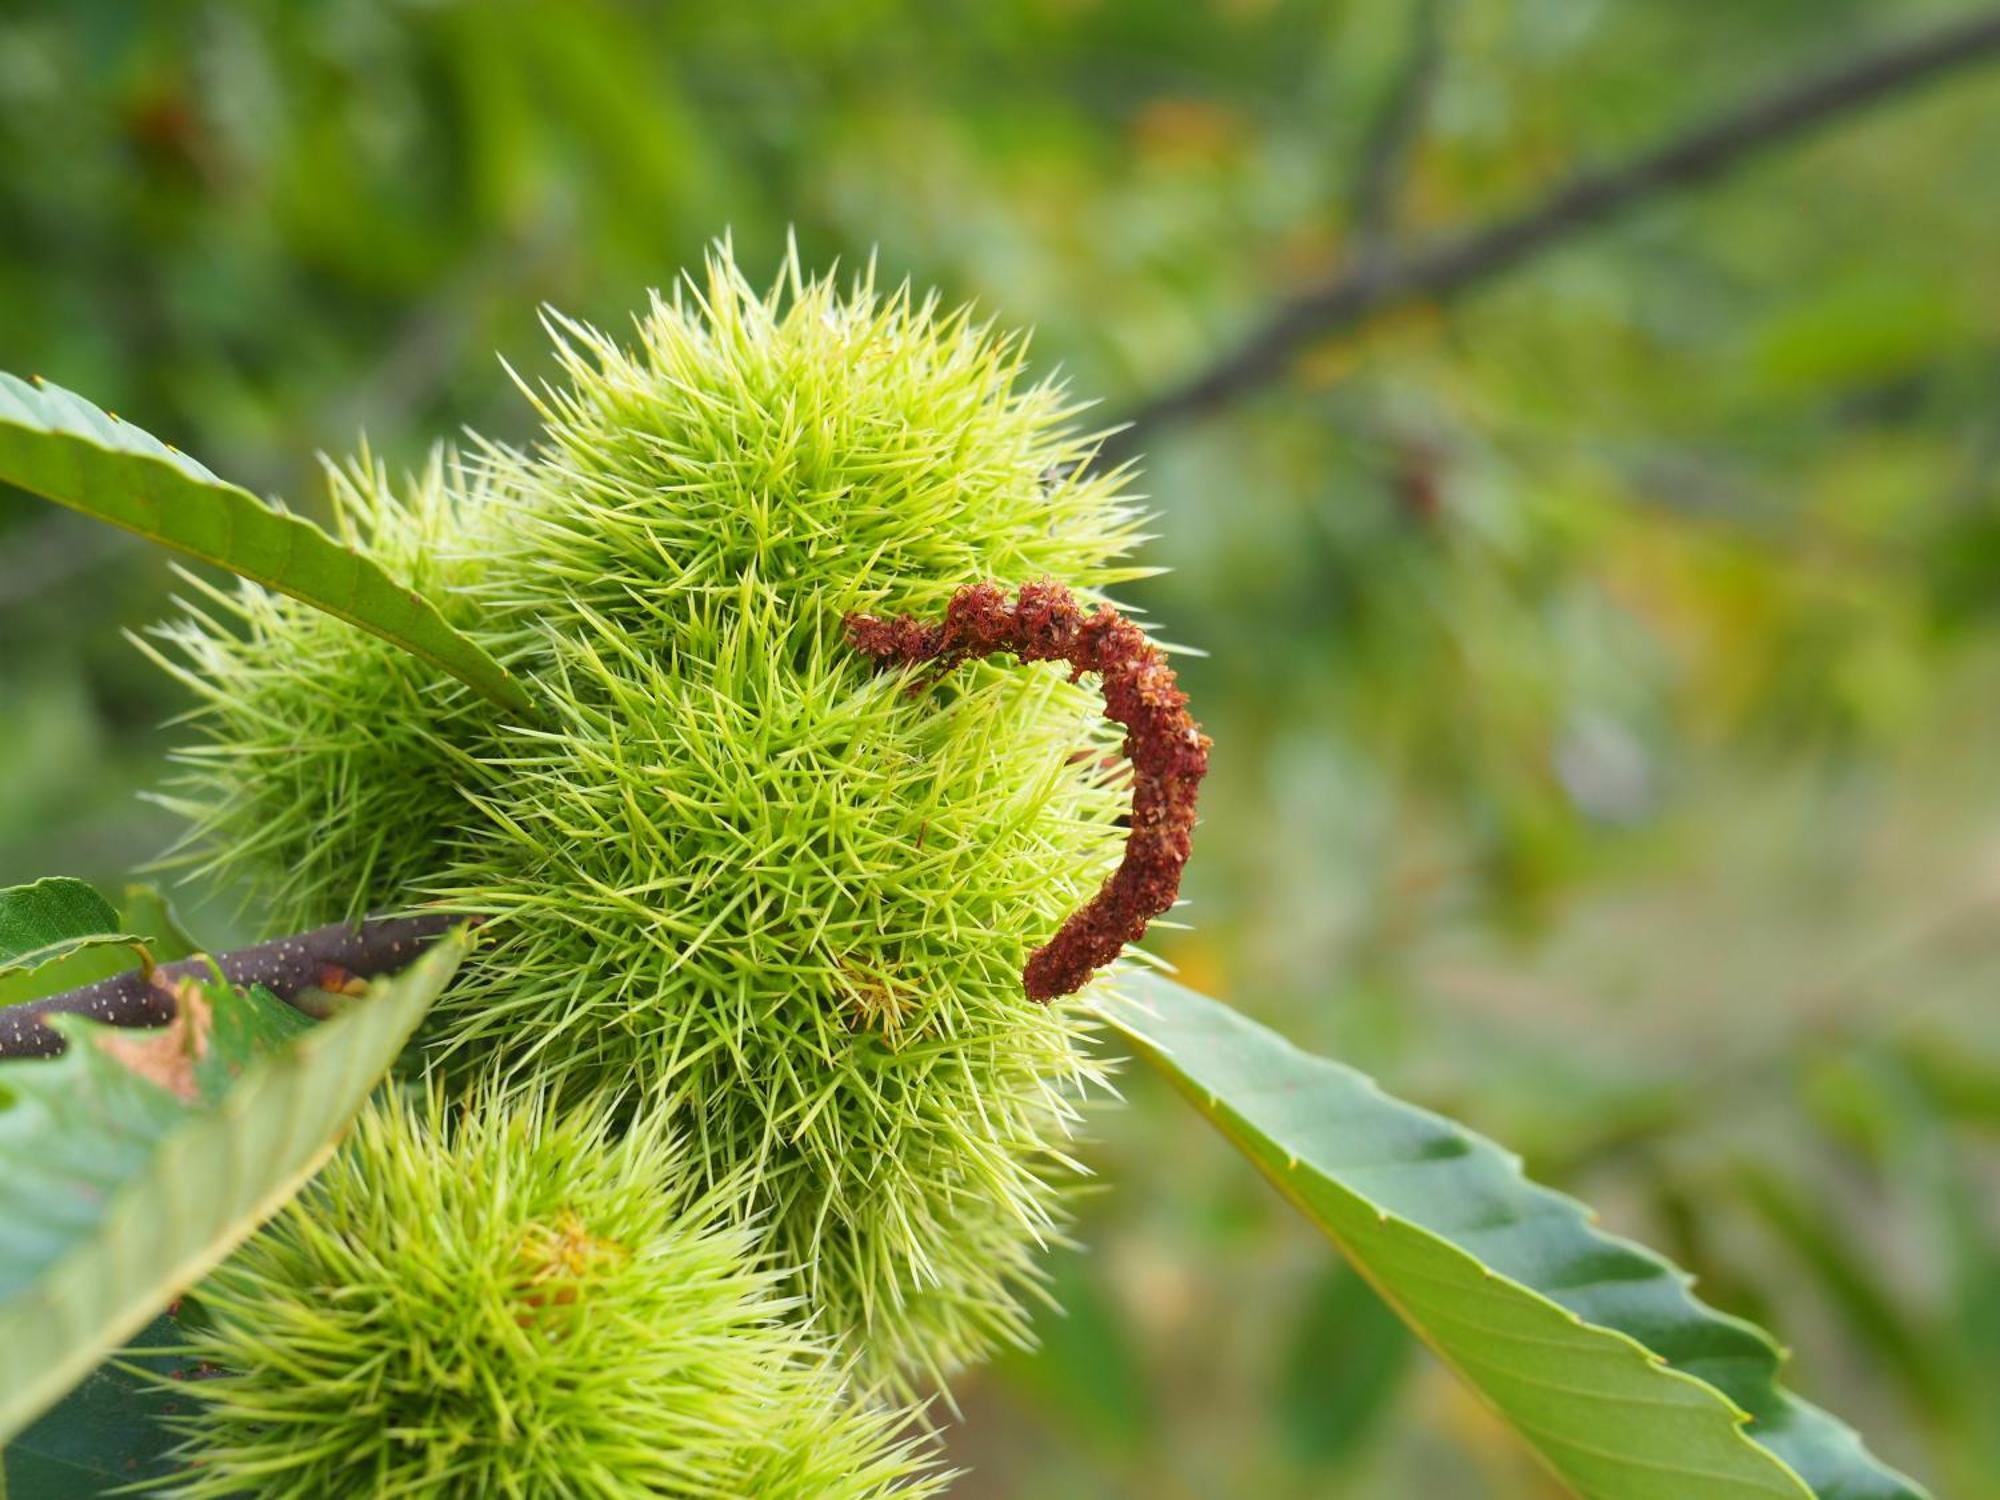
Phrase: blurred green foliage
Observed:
(1602, 669)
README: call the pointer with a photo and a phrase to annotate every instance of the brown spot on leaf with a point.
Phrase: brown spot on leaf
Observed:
(166, 1055)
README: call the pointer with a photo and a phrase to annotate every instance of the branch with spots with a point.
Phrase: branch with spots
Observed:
(327, 960)
(1168, 751)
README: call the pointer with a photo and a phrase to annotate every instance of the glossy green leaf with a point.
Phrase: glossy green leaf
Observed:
(107, 1433)
(57, 445)
(117, 1192)
(1592, 1349)
(144, 912)
(51, 919)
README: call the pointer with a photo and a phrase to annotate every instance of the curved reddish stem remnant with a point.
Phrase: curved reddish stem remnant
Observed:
(1168, 751)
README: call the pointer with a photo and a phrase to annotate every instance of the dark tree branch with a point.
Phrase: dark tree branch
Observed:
(325, 958)
(1456, 261)
(1384, 159)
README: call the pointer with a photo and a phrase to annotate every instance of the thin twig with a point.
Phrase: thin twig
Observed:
(325, 959)
(1454, 262)
(1384, 159)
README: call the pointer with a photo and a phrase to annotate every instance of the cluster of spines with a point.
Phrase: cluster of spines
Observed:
(327, 768)
(730, 863)
(497, 1297)
(843, 1014)
(847, 451)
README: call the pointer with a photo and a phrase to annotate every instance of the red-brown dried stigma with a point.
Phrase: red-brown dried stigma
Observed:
(1168, 751)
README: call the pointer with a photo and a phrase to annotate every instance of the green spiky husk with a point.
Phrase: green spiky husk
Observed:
(510, 1299)
(328, 764)
(731, 863)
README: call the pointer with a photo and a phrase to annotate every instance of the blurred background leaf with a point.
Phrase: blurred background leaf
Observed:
(1602, 666)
